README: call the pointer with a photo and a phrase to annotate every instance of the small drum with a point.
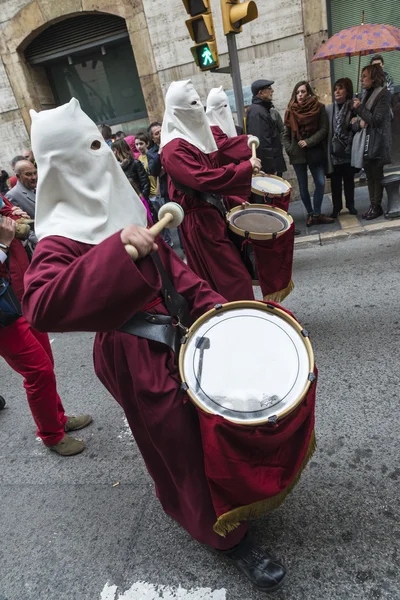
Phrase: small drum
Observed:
(248, 368)
(275, 190)
(264, 236)
(250, 388)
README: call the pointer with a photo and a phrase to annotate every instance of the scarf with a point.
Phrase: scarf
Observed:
(303, 120)
(341, 121)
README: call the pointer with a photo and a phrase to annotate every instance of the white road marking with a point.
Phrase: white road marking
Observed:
(51, 341)
(141, 590)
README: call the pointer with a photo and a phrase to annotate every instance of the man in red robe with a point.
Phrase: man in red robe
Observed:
(82, 279)
(197, 169)
(28, 352)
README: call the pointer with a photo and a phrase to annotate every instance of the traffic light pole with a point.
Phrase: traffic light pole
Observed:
(236, 78)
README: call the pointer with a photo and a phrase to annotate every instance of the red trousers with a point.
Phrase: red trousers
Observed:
(28, 352)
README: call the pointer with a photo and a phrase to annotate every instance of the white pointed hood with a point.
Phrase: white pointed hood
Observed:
(219, 112)
(185, 118)
(82, 193)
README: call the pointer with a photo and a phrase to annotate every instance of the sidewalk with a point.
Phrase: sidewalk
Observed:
(344, 226)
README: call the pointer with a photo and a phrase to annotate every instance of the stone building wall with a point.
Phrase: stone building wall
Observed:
(277, 45)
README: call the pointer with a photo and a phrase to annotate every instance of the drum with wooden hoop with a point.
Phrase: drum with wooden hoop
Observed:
(265, 237)
(274, 190)
(248, 367)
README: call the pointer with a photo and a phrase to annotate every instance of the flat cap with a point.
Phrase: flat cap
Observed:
(260, 84)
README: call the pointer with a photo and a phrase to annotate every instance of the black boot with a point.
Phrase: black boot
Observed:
(352, 210)
(264, 571)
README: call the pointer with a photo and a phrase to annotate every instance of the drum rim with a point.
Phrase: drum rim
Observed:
(270, 194)
(254, 235)
(266, 307)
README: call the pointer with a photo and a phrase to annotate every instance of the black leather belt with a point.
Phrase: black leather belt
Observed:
(213, 199)
(158, 328)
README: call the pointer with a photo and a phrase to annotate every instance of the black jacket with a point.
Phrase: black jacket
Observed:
(136, 173)
(380, 118)
(259, 122)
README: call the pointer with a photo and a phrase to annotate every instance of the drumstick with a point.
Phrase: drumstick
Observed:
(170, 214)
(253, 143)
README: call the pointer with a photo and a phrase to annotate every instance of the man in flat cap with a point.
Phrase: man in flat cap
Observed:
(262, 120)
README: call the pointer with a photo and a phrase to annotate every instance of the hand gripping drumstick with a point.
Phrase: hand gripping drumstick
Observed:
(169, 215)
(253, 142)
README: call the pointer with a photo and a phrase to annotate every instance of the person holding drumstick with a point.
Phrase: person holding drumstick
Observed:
(83, 279)
(199, 175)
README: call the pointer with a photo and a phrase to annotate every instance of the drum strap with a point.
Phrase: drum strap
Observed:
(214, 199)
(166, 329)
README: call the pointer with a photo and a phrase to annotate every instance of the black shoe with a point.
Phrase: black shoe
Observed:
(264, 571)
(352, 210)
(374, 213)
(334, 214)
(297, 232)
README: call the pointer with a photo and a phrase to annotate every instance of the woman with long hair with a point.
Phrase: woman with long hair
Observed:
(375, 114)
(340, 139)
(306, 130)
(135, 172)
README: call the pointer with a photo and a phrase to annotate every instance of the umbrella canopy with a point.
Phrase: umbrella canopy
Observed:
(359, 41)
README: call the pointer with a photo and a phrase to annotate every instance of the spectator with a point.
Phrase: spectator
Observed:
(24, 193)
(28, 352)
(3, 182)
(377, 59)
(120, 135)
(340, 138)
(374, 111)
(106, 132)
(260, 122)
(150, 162)
(130, 140)
(306, 129)
(28, 155)
(13, 179)
(133, 169)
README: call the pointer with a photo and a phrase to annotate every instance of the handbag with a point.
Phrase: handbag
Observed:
(10, 307)
(315, 155)
(373, 143)
(339, 148)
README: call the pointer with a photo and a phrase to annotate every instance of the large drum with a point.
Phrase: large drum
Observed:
(265, 238)
(274, 190)
(249, 369)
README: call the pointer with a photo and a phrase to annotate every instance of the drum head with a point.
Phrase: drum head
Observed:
(270, 185)
(246, 362)
(259, 220)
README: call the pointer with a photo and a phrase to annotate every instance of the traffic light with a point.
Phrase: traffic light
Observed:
(236, 13)
(201, 30)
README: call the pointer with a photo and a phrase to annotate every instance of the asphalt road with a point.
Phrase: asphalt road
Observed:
(67, 533)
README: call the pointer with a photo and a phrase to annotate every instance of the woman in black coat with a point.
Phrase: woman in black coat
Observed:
(377, 121)
(133, 169)
(340, 138)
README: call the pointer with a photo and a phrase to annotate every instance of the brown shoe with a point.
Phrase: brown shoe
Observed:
(310, 220)
(78, 422)
(322, 220)
(68, 446)
(374, 213)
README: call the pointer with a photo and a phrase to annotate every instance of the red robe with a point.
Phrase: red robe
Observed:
(72, 286)
(209, 251)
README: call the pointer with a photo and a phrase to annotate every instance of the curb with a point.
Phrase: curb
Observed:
(350, 226)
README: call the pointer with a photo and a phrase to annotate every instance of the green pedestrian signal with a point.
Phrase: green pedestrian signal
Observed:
(207, 57)
(201, 29)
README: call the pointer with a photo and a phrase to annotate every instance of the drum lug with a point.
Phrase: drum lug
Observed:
(312, 377)
(184, 386)
(273, 420)
(183, 339)
(305, 333)
(271, 306)
(217, 306)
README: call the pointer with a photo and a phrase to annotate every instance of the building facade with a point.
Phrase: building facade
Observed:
(118, 58)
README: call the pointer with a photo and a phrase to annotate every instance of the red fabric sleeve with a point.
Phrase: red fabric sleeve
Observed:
(196, 291)
(231, 150)
(71, 286)
(180, 160)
